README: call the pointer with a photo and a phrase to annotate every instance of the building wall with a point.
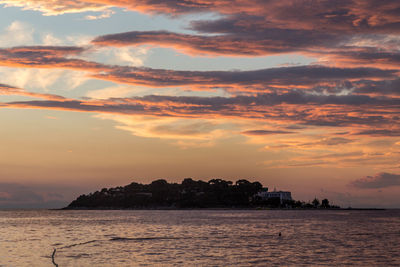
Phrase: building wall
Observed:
(283, 195)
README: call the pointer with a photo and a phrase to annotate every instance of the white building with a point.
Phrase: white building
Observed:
(282, 195)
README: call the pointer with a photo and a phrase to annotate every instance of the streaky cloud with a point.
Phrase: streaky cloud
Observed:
(282, 78)
(340, 15)
(265, 132)
(380, 180)
(297, 107)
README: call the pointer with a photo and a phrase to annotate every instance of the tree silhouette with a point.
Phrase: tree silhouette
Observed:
(315, 202)
(325, 203)
(189, 194)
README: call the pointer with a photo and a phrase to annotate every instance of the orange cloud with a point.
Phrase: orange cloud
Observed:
(357, 112)
(56, 7)
(299, 125)
(364, 15)
(46, 57)
(314, 77)
(10, 90)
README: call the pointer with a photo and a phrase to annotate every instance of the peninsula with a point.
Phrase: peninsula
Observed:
(216, 193)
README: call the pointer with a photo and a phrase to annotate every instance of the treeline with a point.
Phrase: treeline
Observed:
(189, 194)
(216, 193)
(315, 204)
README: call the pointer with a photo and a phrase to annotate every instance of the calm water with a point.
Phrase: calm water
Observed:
(200, 238)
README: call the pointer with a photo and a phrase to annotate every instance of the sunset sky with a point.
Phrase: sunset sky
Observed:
(301, 95)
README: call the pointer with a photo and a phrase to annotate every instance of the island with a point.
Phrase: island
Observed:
(190, 194)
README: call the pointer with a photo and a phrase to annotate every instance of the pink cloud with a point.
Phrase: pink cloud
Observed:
(380, 180)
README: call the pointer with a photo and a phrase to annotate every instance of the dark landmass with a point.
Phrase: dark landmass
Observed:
(350, 208)
(190, 194)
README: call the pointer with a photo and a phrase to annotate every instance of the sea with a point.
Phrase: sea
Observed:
(199, 238)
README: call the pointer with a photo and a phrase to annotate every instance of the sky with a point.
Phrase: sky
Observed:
(300, 95)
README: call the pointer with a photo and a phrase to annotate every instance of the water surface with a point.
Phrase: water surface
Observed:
(200, 238)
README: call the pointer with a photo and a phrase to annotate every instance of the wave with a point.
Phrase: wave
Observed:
(79, 244)
(145, 238)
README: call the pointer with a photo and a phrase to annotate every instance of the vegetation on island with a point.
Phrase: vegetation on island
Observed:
(216, 193)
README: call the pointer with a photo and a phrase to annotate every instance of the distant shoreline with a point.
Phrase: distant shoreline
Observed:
(222, 208)
(215, 194)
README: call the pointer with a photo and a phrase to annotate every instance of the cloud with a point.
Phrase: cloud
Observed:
(295, 107)
(331, 30)
(200, 121)
(272, 41)
(380, 180)
(183, 132)
(125, 56)
(56, 7)
(265, 132)
(10, 90)
(342, 15)
(327, 141)
(270, 78)
(44, 57)
(254, 28)
(380, 132)
(112, 92)
(353, 155)
(294, 111)
(283, 78)
(333, 141)
(45, 79)
(17, 33)
(18, 195)
(358, 56)
(330, 48)
(105, 14)
(325, 151)
(383, 87)
(12, 193)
